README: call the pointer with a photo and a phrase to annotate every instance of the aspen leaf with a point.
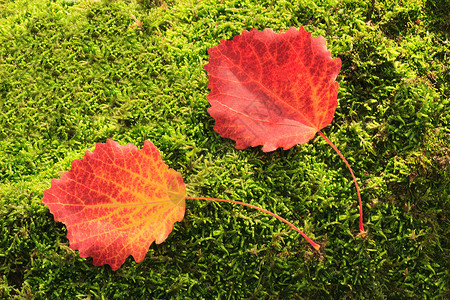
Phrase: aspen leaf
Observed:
(269, 89)
(116, 201)
(274, 90)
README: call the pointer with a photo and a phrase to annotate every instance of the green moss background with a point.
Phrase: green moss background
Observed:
(74, 73)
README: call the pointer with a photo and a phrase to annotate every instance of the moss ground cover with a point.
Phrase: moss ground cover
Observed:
(74, 73)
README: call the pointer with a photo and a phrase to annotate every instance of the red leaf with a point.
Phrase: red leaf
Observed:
(275, 90)
(116, 201)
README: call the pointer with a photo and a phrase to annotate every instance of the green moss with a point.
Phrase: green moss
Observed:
(74, 73)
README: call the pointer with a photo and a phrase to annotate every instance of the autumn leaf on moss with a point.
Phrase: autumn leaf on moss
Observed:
(274, 90)
(116, 201)
(269, 89)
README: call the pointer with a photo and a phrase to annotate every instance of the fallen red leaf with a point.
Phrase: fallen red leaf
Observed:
(274, 90)
(116, 201)
(269, 89)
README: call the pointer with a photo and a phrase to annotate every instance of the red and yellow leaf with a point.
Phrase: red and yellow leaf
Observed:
(116, 201)
(269, 89)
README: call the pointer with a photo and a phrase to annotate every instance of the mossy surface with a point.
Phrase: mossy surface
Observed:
(75, 73)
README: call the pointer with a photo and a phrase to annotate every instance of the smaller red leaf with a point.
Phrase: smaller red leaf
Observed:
(269, 89)
(116, 201)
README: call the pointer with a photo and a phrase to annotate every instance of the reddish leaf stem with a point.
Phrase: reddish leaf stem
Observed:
(315, 246)
(361, 227)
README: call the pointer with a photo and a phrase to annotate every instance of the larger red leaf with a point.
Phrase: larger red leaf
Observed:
(275, 90)
(116, 201)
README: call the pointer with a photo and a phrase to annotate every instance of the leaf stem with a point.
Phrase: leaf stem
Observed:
(315, 246)
(361, 227)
